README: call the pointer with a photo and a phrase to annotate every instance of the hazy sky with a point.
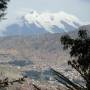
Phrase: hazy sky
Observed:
(79, 8)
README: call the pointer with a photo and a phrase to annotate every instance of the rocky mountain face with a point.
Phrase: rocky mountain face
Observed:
(34, 52)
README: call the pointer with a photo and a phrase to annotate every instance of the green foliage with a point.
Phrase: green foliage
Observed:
(80, 53)
(3, 7)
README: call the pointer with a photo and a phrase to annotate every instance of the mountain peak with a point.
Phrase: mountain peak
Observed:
(43, 22)
(48, 20)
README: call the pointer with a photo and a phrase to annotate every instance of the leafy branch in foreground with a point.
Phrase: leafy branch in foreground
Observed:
(3, 7)
(80, 54)
(65, 81)
(5, 82)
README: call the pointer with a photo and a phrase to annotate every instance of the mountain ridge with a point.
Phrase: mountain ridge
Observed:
(45, 22)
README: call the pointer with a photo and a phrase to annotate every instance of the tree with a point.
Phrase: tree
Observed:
(80, 53)
(3, 7)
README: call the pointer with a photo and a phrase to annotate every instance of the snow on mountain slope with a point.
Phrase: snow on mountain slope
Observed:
(48, 20)
(43, 22)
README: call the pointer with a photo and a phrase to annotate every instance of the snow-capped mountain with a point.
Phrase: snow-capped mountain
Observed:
(43, 22)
